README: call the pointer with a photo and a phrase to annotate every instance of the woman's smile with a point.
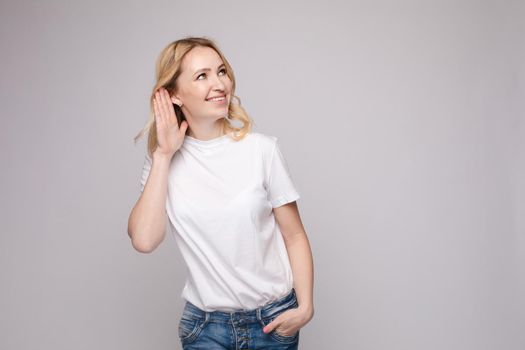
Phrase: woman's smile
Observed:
(220, 100)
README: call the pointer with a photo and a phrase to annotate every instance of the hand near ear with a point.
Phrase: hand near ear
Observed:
(169, 136)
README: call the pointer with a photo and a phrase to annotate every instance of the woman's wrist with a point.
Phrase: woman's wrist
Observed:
(162, 156)
(307, 310)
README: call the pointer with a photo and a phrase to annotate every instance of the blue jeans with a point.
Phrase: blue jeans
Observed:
(243, 329)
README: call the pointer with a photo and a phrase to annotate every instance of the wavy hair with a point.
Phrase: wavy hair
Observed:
(168, 69)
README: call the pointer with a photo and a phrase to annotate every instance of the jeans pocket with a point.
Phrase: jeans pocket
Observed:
(190, 327)
(286, 339)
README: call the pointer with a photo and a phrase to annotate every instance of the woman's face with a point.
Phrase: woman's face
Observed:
(203, 77)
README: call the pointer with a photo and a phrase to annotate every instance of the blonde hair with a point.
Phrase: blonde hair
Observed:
(168, 69)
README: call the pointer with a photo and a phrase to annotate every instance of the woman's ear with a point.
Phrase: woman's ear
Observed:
(176, 101)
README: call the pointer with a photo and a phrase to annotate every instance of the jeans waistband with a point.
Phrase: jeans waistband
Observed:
(244, 315)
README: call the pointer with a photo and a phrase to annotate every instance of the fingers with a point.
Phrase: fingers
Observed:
(183, 127)
(284, 324)
(277, 327)
(271, 326)
(165, 107)
(156, 108)
(169, 104)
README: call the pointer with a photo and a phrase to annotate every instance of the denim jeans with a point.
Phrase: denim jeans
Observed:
(242, 329)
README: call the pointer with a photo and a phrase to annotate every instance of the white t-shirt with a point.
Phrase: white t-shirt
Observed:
(219, 203)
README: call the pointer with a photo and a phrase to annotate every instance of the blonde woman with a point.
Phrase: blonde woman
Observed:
(228, 197)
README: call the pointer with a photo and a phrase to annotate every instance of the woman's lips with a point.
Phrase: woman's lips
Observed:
(220, 101)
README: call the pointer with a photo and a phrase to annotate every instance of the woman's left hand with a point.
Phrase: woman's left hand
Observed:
(290, 321)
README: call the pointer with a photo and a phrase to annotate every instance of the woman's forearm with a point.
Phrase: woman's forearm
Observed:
(301, 261)
(147, 221)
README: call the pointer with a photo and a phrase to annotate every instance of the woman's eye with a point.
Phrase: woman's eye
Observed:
(204, 74)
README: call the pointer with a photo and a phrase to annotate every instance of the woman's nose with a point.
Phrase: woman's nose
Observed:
(218, 83)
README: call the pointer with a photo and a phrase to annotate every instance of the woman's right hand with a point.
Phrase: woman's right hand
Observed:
(169, 136)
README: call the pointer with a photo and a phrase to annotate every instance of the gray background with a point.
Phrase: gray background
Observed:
(402, 124)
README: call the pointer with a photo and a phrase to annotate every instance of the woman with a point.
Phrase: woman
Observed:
(228, 196)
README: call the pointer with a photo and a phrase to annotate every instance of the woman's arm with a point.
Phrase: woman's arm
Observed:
(147, 221)
(300, 255)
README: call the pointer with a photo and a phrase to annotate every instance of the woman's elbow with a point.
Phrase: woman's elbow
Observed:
(141, 245)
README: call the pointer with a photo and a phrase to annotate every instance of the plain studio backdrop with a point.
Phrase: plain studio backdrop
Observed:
(402, 123)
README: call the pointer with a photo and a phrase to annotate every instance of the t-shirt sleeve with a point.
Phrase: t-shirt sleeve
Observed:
(280, 186)
(145, 172)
